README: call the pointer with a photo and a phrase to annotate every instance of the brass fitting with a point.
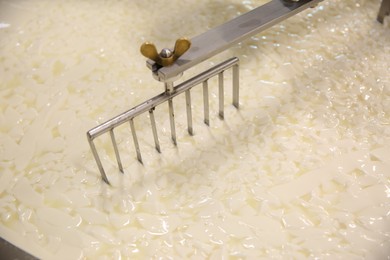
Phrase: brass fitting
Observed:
(166, 57)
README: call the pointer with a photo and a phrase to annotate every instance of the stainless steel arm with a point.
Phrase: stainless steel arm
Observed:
(234, 31)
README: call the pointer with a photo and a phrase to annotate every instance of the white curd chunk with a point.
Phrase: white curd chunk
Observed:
(300, 171)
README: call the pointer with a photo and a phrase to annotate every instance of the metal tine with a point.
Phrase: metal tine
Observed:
(206, 102)
(236, 85)
(169, 89)
(383, 11)
(118, 159)
(221, 95)
(135, 139)
(97, 159)
(154, 129)
(189, 112)
(172, 121)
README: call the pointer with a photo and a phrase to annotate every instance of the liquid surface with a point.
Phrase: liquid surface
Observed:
(301, 170)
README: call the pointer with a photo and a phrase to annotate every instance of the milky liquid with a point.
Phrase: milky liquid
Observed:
(300, 171)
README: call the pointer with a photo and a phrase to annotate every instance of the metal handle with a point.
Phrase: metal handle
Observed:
(224, 36)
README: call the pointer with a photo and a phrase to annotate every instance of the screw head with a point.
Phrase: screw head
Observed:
(166, 53)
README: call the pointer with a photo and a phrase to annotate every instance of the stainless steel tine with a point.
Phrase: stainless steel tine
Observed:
(169, 89)
(97, 159)
(221, 94)
(118, 159)
(236, 86)
(206, 102)
(384, 10)
(172, 121)
(154, 129)
(189, 112)
(135, 139)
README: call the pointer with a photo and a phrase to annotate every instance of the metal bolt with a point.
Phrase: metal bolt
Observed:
(166, 53)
